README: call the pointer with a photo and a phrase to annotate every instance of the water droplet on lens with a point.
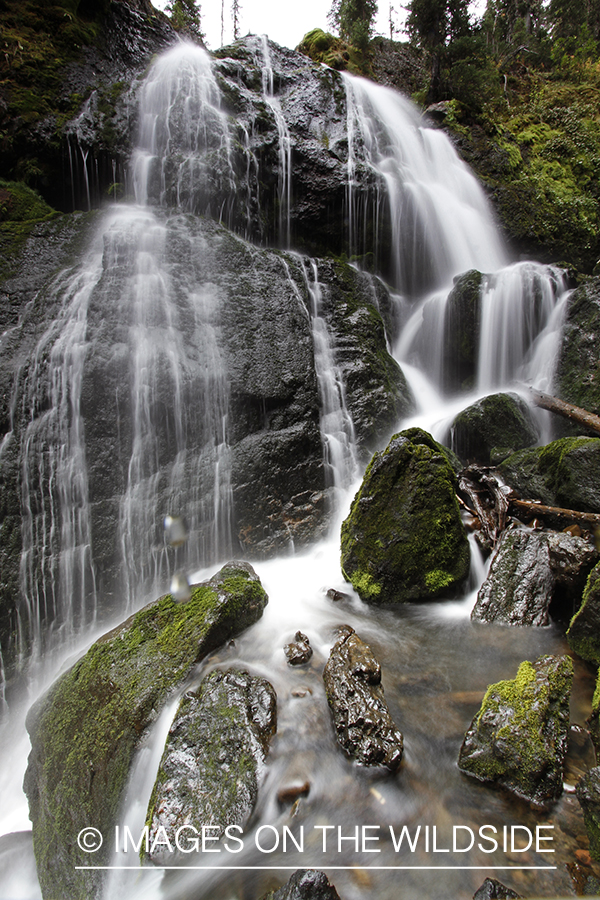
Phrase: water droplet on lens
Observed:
(175, 531)
(180, 587)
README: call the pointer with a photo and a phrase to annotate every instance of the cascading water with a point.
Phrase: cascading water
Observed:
(169, 403)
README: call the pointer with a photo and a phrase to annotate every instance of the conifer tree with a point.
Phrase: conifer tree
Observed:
(354, 20)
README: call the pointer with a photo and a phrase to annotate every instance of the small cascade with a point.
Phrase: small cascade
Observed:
(440, 219)
(284, 188)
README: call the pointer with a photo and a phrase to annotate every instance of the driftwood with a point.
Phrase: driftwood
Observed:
(488, 498)
(590, 520)
(576, 414)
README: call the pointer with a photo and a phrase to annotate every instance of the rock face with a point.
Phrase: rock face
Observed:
(588, 794)
(404, 538)
(499, 422)
(362, 722)
(85, 729)
(213, 758)
(584, 631)
(461, 332)
(577, 377)
(518, 739)
(305, 884)
(532, 572)
(564, 473)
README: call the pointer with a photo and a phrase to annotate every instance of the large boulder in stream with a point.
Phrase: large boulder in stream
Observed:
(363, 724)
(403, 539)
(564, 473)
(588, 794)
(534, 574)
(462, 322)
(583, 634)
(518, 739)
(577, 378)
(499, 422)
(85, 729)
(213, 759)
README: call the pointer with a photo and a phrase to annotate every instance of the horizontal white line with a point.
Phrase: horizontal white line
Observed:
(305, 866)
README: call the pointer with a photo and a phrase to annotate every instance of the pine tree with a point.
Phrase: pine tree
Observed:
(354, 20)
(235, 14)
(186, 16)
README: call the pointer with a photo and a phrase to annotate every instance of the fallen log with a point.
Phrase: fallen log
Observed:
(588, 420)
(591, 520)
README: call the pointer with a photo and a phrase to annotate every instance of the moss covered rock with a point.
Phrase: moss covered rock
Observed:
(210, 769)
(499, 422)
(85, 729)
(578, 367)
(532, 574)
(363, 725)
(584, 631)
(564, 473)
(461, 332)
(588, 794)
(403, 539)
(518, 739)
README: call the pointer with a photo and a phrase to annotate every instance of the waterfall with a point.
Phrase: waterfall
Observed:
(142, 336)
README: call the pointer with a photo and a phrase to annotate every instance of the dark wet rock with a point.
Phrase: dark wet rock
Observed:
(403, 539)
(299, 651)
(461, 332)
(362, 722)
(336, 596)
(288, 793)
(583, 634)
(491, 889)
(518, 739)
(86, 728)
(564, 473)
(500, 422)
(213, 758)
(305, 884)
(534, 574)
(588, 794)
(577, 377)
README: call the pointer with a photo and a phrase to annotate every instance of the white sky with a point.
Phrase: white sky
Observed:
(287, 21)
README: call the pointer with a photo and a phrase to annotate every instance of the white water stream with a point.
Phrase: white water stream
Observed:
(435, 662)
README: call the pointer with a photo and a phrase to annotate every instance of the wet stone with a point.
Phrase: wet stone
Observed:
(336, 596)
(299, 651)
(305, 884)
(491, 889)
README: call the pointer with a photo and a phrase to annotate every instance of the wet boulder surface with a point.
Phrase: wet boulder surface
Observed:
(499, 422)
(518, 739)
(492, 889)
(532, 574)
(578, 369)
(588, 794)
(305, 884)
(462, 325)
(583, 633)
(363, 725)
(213, 759)
(403, 539)
(85, 730)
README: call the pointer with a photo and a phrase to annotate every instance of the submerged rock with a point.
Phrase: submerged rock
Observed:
(362, 722)
(213, 757)
(588, 794)
(518, 739)
(577, 377)
(85, 729)
(500, 422)
(564, 473)
(491, 889)
(404, 539)
(532, 571)
(305, 884)
(583, 634)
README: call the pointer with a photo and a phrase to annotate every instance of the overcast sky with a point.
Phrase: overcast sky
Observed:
(285, 21)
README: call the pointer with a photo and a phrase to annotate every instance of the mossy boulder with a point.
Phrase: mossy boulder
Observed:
(564, 473)
(534, 574)
(213, 757)
(588, 794)
(461, 332)
(577, 377)
(403, 539)
(518, 739)
(85, 729)
(583, 634)
(499, 424)
(305, 884)
(363, 725)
